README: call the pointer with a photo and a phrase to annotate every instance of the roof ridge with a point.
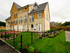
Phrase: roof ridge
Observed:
(43, 3)
(17, 5)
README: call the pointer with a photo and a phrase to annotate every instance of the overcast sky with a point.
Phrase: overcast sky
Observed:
(59, 9)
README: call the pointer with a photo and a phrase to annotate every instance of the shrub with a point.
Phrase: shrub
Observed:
(55, 34)
(51, 30)
(40, 37)
(47, 34)
(61, 30)
(58, 32)
(30, 49)
(43, 35)
(51, 35)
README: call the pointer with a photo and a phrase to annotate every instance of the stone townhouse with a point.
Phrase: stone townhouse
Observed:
(32, 17)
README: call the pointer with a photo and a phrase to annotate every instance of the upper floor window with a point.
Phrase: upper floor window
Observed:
(20, 20)
(12, 21)
(39, 14)
(15, 14)
(9, 22)
(15, 20)
(20, 11)
(25, 18)
(25, 8)
(12, 13)
(32, 19)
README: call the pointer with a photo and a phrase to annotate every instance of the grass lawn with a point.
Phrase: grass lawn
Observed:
(53, 45)
(26, 38)
(46, 45)
(3, 30)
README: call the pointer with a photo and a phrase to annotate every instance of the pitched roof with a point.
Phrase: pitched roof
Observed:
(40, 8)
(17, 6)
(8, 18)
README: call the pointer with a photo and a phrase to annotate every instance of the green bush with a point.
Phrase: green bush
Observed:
(58, 32)
(51, 35)
(47, 34)
(30, 49)
(51, 30)
(43, 35)
(61, 30)
(55, 34)
(40, 37)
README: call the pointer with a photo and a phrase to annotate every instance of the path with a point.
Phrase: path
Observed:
(4, 48)
(67, 36)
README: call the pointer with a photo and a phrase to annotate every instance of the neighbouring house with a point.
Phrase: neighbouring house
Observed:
(53, 24)
(32, 17)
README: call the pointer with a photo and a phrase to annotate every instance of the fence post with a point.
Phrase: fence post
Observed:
(14, 39)
(5, 35)
(21, 43)
(31, 37)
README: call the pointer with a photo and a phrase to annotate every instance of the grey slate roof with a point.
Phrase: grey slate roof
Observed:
(17, 6)
(8, 18)
(40, 8)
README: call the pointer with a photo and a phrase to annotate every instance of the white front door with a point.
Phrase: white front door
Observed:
(20, 27)
(25, 27)
(15, 27)
(39, 27)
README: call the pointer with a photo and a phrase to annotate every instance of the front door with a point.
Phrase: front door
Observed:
(39, 27)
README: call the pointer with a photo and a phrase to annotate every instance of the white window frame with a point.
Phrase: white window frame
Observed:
(39, 14)
(20, 20)
(15, 14)
(20, 11)
(35, 7)
(15, 20)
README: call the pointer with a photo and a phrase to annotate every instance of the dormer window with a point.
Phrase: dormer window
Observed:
(35, 8)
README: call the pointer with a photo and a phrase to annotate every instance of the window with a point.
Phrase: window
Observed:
(32, 18)
(20, 20)
(12, 13)
(25, 8)
(20, 11)
(25, 19)
(15, 20)
(35, 8)
(9, 22)
(39, 14)
(31, 25)
(12, 21)
(15, 14)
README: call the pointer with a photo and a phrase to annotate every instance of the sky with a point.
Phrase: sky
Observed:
(59, 9)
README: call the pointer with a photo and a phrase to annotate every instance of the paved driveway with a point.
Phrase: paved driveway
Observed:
(67, 36)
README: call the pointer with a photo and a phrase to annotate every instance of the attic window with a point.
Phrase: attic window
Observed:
(35, 8)
(25, 8)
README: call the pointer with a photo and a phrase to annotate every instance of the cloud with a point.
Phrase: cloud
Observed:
(59, 9)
